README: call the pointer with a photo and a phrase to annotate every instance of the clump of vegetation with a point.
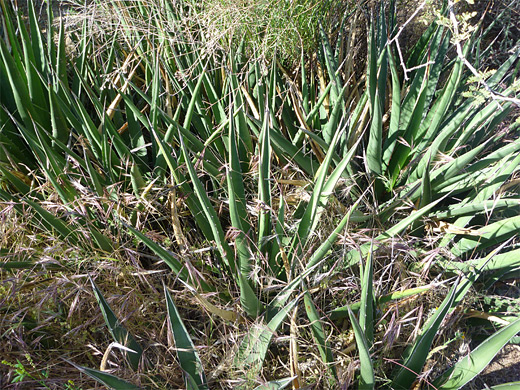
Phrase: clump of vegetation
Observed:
(236, 225)
(268, 27)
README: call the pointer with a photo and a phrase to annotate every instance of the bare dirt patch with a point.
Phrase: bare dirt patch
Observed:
(504, 368)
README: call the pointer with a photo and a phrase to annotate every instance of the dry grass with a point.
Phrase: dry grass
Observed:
(49, 311)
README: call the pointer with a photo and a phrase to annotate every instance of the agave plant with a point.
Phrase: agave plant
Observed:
(225, 136)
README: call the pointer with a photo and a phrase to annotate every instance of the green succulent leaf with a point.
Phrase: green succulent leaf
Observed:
(118, 331)
(188, 357)
(367, 377)
(471, 365)
(275, 385)
(254, 346)
(108, 380)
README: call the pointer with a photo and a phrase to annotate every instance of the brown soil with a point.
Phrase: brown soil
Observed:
(503, 369)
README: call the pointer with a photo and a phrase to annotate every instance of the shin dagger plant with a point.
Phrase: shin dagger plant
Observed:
(305, 208)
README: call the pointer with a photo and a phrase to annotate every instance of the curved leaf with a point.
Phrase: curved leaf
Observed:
(108, 380)
(188, 356)
(470, 366)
